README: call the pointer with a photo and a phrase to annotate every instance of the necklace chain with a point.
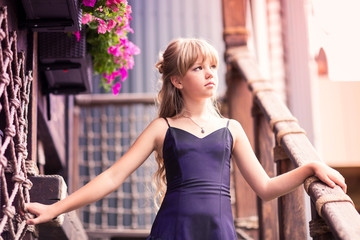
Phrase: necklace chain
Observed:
(202, 128)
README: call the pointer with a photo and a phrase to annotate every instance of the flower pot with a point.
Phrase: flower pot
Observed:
(53, 15)
(64, 62)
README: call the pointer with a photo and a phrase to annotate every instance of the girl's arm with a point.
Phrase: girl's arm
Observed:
(269, 188)
(106, 182)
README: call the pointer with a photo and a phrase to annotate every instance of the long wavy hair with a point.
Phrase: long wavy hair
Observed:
(180, 55)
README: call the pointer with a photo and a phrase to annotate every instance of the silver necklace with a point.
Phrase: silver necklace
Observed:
(202, 128)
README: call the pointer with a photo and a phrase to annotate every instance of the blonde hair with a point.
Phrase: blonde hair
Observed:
(180, 55)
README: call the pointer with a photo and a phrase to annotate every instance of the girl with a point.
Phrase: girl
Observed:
(193, 145)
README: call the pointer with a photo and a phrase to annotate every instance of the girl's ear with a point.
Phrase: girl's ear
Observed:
(176, 81)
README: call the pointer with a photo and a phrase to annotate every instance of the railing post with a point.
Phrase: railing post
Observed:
(292, 205)
(264, 142)
(240, 102)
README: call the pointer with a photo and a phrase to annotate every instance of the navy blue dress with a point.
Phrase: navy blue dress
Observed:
(197, 201)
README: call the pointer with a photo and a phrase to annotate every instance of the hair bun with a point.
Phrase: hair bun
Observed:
(160, 66)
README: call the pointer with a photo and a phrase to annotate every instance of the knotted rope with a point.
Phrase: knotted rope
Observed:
(281, 119)
(282, 132)
(326, 198)
(14, 100)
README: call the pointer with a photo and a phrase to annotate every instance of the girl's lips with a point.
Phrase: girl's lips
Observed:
(210, 84)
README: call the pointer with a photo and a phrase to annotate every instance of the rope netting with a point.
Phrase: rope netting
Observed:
(14, 162)
(105, 134)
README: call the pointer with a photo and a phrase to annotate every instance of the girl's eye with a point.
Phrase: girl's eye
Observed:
(213, 66)
(198, 68)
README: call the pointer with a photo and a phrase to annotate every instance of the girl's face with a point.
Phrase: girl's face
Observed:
(200, 81)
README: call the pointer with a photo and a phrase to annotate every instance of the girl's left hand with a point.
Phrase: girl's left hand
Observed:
(329, 175)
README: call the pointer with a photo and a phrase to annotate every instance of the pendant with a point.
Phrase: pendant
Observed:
(202, 130)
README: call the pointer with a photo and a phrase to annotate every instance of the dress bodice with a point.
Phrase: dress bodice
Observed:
(197, 203)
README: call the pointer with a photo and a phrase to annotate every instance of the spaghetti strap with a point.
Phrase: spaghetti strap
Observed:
(167, 121)
(227, 124)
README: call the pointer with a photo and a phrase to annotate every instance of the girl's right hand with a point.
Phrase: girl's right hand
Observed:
(44, 213)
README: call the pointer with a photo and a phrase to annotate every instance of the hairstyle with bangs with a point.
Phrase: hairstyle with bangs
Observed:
(180, 55)
(190, 50)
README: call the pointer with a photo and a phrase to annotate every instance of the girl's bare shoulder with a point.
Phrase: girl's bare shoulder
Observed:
(235, 128)
(158, 128)
(234, 124)
(158, 125)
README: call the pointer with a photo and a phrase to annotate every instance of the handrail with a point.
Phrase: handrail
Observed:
(105, 99)
(339, 215)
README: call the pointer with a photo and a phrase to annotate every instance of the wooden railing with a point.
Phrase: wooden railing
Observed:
(339, 219)
(108, 125)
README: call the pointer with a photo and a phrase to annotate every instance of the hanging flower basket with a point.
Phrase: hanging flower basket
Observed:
(107, 25)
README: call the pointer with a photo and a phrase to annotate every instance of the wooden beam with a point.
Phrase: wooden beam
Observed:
(118, 233)
(264, 142)
(123, 98)
(48, 189)
(292, 205)
(234, 22)
(32, 118)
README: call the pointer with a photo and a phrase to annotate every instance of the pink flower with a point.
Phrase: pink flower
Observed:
(108, 77)
(102, 27)
(86, 18)
(128, 9)
(89, 3)
(130, 62)
(116, 88)
(77, 34)
(128, 28)
(124, 74)
(120, 32)
(111, 24)
(130, 48)
(114, 2)
(111, 77)
(128, 12)
(124, 20)
(109, 3)
(115, 50)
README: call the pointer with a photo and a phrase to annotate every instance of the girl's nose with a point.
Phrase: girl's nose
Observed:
(209, 73)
